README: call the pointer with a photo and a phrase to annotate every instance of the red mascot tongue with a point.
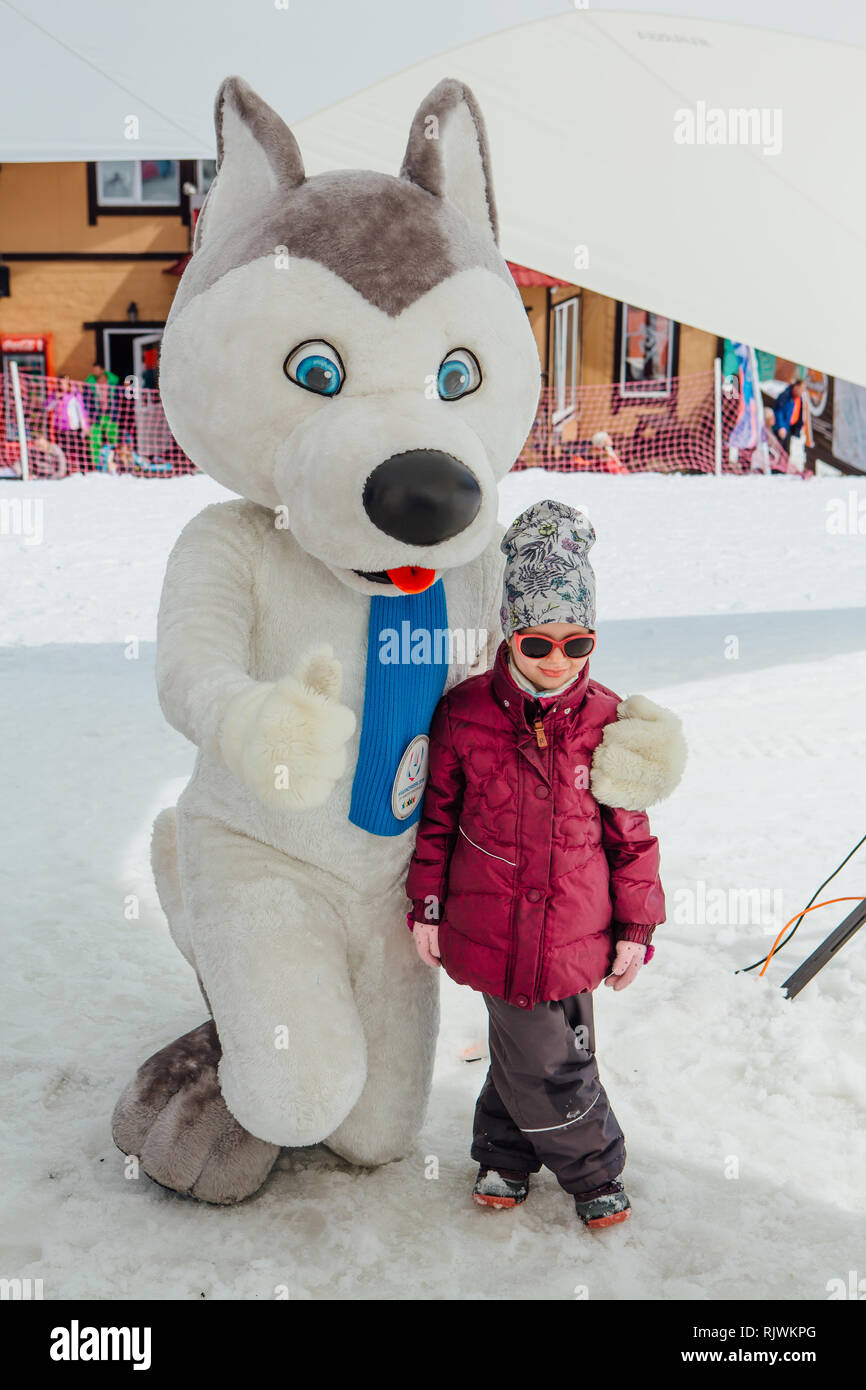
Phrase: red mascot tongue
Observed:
(411, 579)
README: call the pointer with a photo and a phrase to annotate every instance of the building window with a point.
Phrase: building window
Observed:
(138, 183)
(564, 357)
(205, 173)
(646, 353)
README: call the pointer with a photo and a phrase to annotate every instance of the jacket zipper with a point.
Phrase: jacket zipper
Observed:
(542, 743)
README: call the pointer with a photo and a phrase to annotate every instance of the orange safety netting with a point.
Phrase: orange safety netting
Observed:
(666, 426)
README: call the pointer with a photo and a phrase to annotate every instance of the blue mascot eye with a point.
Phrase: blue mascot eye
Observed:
(458, 375)
(315, 366)
(319, 374)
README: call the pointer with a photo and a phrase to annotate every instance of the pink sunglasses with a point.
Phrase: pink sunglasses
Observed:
(536, 647)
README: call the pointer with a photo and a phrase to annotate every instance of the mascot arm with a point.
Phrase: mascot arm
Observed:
(205, 624)
(284, 739)
(641, 757)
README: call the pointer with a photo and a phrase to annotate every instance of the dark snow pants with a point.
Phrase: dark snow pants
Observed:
(542, 1101)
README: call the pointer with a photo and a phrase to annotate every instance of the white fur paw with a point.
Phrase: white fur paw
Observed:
(641, 757)
(287, 739)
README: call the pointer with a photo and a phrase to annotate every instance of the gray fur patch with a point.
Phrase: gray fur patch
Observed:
(388, 238)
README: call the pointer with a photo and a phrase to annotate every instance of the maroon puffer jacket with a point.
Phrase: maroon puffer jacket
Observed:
(532, 880)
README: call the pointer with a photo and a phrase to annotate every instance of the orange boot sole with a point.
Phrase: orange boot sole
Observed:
(499, 1202)
(609, 1220)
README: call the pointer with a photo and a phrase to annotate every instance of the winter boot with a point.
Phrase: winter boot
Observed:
(603, 1206)
(500, 1187)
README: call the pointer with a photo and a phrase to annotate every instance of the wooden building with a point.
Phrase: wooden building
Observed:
(88, 251)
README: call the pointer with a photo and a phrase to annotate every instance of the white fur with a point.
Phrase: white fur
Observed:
(277, 444)
(641, 757)
(463, 184)
(244, 181)
(286, 739)
(163, 860)
(294, 919)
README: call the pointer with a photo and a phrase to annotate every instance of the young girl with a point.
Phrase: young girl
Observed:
(527, 888)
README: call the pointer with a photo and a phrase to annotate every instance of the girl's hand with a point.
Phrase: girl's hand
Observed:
(426, 936)
(629, 958)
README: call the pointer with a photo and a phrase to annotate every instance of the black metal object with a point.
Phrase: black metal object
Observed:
(827, 949)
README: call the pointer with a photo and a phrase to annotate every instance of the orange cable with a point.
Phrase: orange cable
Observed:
(813, 908)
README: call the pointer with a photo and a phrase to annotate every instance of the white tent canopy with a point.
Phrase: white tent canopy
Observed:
(762, 241)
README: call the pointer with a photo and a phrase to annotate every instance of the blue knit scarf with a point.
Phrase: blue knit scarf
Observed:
(400, 695)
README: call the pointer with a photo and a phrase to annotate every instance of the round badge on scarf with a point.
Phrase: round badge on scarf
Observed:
(411, 778)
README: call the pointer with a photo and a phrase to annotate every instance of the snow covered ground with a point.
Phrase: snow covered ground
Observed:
(737, 601)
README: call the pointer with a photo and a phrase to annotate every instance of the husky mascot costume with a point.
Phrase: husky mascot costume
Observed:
(350, 355)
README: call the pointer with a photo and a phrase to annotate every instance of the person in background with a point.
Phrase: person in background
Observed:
(68, 423)
(126, 460)
(789, 412)
(46, 460)
(107, 462)
(103, 410)
(605, 453)
(150, 372)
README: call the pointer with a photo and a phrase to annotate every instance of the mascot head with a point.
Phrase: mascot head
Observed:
(352, 346)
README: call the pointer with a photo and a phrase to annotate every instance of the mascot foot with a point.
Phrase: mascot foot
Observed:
(173, 1119)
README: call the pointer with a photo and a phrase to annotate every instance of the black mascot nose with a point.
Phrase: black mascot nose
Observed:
(421, 496)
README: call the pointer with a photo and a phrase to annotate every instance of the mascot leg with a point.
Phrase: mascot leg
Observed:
(398, 999)
(270, 950)
(172, 1116)
(163, 862)
(284, 1059)
(166, 874)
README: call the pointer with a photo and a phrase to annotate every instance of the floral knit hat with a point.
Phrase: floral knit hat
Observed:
(548, 577)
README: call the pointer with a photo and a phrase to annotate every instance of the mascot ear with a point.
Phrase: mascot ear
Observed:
(256, 155)
(448, 153)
